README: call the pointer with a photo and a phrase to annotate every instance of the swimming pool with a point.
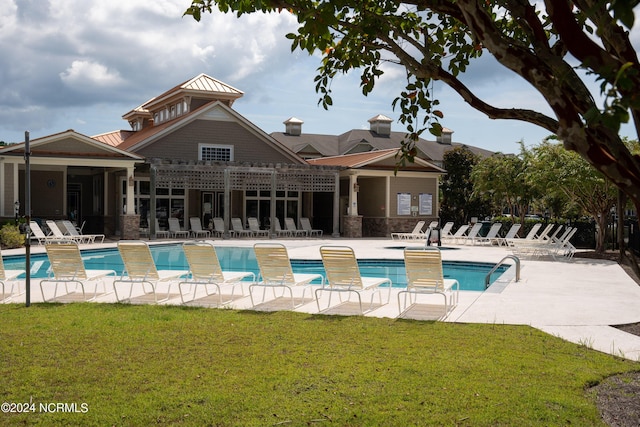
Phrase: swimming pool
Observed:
(471, 275)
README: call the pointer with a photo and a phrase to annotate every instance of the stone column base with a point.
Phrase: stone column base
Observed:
(130, 227)
(352, 226)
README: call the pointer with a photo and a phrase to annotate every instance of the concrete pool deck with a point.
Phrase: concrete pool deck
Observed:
(577, 300)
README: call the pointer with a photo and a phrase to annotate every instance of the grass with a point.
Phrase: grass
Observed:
(141, 365)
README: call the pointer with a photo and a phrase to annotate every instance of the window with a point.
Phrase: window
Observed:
(216, 153)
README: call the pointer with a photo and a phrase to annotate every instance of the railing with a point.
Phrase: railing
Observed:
(487, 279)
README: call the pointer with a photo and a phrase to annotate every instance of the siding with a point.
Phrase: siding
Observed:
(183, 143)
(415, 187)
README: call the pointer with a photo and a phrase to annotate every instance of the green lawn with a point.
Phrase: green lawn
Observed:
(143, 365)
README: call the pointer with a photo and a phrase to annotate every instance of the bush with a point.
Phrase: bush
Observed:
(10, 236)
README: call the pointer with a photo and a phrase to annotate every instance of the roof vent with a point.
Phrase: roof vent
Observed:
(293, 126)
(380, 124)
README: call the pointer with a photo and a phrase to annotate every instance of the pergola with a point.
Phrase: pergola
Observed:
(226, 177)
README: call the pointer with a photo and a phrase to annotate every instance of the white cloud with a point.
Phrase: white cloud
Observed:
(83, 73)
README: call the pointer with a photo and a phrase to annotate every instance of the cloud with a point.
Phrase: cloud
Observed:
(89, 73)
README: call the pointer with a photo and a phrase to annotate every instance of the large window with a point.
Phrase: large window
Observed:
(169, 203)
(215, 153)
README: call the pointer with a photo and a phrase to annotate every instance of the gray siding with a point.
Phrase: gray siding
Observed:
(183, 143)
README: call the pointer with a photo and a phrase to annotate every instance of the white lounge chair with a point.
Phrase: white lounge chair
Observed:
(67, 267)
(8, 276)
(472, 235)
(43, 238)
(58, 234)
(425, 276)
(290, 225)
(305, 224)
(238, 228)
(218, 227)
(459, 234)
(140, 270)
(73, 231)
(175, 230)
(205, 272)
(276, 272)
(445, 231)
(254, 226)
(196, 228)
(491, 236)
(279, 231)
(416, 233)
(511, 234)
(343, 276)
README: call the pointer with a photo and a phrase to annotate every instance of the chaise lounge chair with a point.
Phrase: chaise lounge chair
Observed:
(306, 226)
(8, 276)
(205, 272)
(416, 233)
(343, 276)
(73, 231)
(425, 276)
(140, 270)
(491, 237)
(276, 272)
(510, 236)
(238, 228)
(174, 229)
(254, 227)
(459, 234)
(290, 225)
(196, 228)
(67, 267)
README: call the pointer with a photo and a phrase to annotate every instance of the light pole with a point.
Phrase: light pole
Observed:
(17, 209)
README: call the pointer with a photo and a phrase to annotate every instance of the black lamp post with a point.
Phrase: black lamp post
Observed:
(17, 209)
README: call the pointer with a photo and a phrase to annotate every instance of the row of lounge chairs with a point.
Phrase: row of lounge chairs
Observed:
(205, 282)
(237, 229)
(546, 242)
(61, 231)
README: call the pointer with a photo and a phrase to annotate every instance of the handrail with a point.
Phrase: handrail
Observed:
(495, 267)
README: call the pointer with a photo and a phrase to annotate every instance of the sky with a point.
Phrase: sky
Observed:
(78, 64)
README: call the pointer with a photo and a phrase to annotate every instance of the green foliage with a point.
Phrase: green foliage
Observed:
(504, 180)
(439, 41)
(563, 172)
(155, 365)
(10, 236)
(459, 203)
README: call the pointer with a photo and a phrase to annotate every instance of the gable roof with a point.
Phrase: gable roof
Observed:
(384, 159)
(69, 145)
(134, 141)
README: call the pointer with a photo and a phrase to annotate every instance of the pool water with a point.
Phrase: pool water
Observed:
(470, 275)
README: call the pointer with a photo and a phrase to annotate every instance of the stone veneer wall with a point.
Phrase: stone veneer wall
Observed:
(383, 227)
(130, 227)
(352, 226)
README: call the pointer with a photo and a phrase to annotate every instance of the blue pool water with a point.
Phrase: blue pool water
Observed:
(470, 275)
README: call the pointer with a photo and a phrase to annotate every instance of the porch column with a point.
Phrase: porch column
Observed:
(353, 221)
(336, 207)
(272, 205)
(353, 195)
(130, 222)
(226, 202)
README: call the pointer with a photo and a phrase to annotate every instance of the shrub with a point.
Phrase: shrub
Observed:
(10, 236)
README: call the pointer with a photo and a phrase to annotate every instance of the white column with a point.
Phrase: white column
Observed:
(387, 197)
(353, 195)
(130, 210)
